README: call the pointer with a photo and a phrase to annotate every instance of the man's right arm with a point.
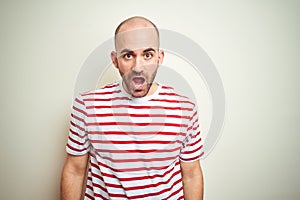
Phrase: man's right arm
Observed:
(73, 175)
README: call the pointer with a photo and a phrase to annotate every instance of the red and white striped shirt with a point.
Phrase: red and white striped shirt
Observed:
(135, 144)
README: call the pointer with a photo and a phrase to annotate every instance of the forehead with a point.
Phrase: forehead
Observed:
(136, 39)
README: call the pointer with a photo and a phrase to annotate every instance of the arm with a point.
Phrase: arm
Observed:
(192, 180)
(73, 175)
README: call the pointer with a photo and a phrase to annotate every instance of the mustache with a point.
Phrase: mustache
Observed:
(134, 73)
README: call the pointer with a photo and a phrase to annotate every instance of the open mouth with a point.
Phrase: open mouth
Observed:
(138, 82)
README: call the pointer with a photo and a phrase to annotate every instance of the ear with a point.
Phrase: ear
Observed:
(113, 56)
(161, 55)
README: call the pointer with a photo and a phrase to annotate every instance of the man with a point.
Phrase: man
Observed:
(138, 138)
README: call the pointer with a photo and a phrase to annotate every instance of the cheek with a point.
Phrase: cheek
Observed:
(151, 68)
(124, 66)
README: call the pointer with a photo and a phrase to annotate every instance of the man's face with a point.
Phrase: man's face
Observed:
(137, 58)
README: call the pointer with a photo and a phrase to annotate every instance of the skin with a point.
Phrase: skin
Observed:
(192, 180)
(137, 56)
(72, 179)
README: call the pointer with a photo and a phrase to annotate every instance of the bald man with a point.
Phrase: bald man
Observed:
(135, 138)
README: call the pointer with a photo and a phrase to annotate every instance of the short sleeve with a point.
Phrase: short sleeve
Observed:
(78, 143)
(192, 148)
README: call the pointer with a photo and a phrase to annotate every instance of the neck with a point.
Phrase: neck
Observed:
(152, 89)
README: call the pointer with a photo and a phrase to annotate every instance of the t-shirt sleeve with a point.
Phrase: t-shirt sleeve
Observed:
(78, 143)
(192, 148)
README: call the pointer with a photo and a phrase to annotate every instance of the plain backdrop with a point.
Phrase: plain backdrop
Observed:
(254, 44)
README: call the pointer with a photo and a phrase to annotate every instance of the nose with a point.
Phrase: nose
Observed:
(139, 62)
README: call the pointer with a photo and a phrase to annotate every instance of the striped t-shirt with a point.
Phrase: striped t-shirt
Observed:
(135, 144)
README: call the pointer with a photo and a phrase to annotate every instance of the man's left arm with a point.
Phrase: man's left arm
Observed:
(192, 180)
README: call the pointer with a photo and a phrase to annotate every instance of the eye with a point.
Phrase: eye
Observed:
(148, 55)
(127, 56)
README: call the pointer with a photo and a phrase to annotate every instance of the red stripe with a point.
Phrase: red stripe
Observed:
(190, 159)
(154, 185)
(110, 86)
(118, 195)
(172, 94)
(192, 151)
(195, 122)
(89, 196)
(137, 115)
(138, 159)
(133, 124)
(139, 150)
(139, 107)
(136, 133)
(172, 101)
(154, 194)
(142, 177)
(76, 126)
(75, 149)
(97, 195)
(96, 175)
(79, 101)
(134, 142)
(101, 93)
(109, 99)
(194, 136)
(141, 187)
(79, 110)
(75, 141)
(166, 87)
(98, 185)
(76, 134)
(92, 190)
(144, 186)
(174, 193)
(195, 114)
(193, 158)
(77, 118)
(192, 126)
(195, 128)
(197, 141)
(132, 169)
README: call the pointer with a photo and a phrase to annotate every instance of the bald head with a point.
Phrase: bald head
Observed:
(135, 23)
(135, 28)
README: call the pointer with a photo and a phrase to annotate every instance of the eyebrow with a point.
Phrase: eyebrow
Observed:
(130, 51)
(126, 51)
(149, 49)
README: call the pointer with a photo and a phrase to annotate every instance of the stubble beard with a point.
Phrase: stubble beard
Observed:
(130, 88)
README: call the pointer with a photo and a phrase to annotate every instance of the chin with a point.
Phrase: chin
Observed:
(139, 94)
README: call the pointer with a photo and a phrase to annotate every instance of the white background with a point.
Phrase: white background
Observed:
(254, 45)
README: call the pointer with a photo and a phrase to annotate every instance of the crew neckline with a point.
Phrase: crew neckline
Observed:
(139, 99)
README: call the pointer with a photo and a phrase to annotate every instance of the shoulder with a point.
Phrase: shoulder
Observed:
(105, 92)
(168, 92)
(108, 89)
